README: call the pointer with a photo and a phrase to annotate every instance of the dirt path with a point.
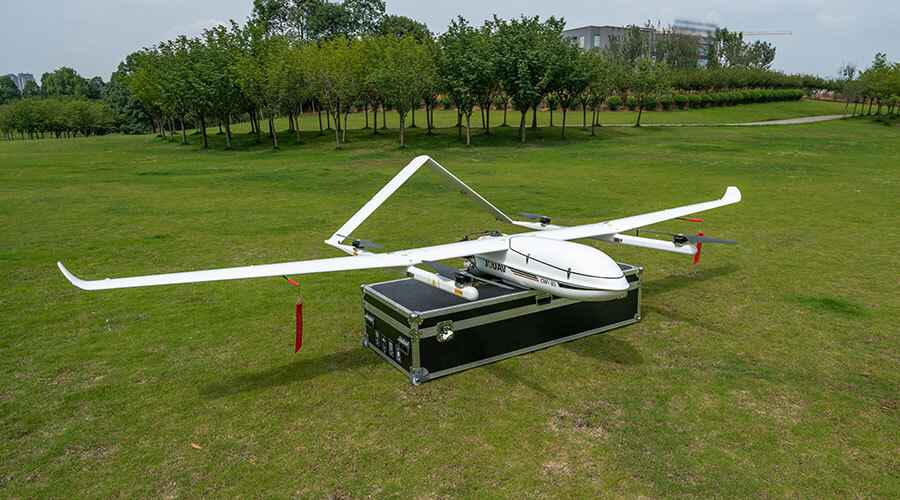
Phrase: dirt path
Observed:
(787, 121)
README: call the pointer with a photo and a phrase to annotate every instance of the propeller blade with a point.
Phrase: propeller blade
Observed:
(367, 244)
(691, 237)
(690, 219)
(707, 239)
(544, 219)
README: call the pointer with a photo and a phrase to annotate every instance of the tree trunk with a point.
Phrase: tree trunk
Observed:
(481, 111)
(505, 106)
(228, 131)
(337, 134)
(458, 123)
(487, 120)
(328, 122)
(564, 111)
(203, 131)
(290, 121)
(522, 126)
(273, 133)
(366, 108)
(258, 131)
(469, 128)
(383, 117)
(319, 111)
(551, 117)
(402, 129)
(428, 118)
(413, 124)
(534, 116)
(640, 110)
(344, 129)
(183, 132)
(375, 121)
(583, 116)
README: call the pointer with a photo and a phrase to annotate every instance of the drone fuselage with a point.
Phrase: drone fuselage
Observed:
(561, 268)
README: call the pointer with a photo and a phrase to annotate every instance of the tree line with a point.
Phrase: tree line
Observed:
(287, 60)
(871, 90)
(296, 58)
(58, 117)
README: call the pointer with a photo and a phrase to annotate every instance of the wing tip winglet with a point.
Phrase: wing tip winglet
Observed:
(75, 280)
(732, 194)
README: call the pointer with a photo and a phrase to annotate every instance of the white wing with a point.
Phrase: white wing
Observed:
(402, 258)
(732, 195)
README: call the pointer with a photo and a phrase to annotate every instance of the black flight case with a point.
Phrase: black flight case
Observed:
(428, 333)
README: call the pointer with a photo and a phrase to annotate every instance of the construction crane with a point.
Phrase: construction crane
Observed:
(766, 33)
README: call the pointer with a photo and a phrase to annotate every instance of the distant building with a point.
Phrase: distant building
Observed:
(597, 37)
(21, 79)
(704, 33)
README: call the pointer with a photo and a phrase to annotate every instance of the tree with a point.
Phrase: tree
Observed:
(318, 19)
(261, 75)
(468, 68)
(522, 44)
(677, 50)
(64, 81)
(144, 82)
(95, 88)
(570, 76)
(128, 113)
(728, 49)
(178, 94)
(634, 44)
(402, 62)
(602, 84)
(400, 26)
(646, 79)
(334, 71)
(8, 90)
(223, 48)
(31, 89)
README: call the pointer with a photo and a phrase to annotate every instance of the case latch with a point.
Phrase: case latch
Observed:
(445, 331)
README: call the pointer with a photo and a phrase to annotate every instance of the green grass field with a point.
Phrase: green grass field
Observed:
(769, 370)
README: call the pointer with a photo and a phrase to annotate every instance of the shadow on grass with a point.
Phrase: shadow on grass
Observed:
(833, 305)
(607, 348)
(509, 376)
(297, 371)
(683, 319)
(676, 281)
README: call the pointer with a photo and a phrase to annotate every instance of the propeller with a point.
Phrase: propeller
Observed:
(683, 239)
(543, 219)
(690, 219)
(364, 244)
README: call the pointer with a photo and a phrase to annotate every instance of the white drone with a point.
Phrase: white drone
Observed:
(544, 259)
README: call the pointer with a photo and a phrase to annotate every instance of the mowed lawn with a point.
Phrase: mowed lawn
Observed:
(771, 369)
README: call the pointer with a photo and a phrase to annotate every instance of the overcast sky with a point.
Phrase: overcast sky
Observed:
(94, 35)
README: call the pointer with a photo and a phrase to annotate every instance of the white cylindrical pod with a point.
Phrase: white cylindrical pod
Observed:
(442, 283)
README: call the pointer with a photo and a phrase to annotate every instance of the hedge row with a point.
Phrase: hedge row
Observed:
(708, 99)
